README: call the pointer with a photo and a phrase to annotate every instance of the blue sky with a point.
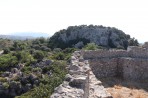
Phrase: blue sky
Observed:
(49, 16)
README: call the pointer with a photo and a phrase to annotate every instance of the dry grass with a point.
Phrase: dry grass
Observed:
(126, 89)
(118, 86)
(119, 91)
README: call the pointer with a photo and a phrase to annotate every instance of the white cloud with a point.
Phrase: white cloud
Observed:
(49, 16)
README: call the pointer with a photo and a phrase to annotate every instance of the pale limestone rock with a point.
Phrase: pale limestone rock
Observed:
(74, 67)
(78, 84)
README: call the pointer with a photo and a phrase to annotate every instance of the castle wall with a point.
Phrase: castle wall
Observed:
(135, 69)
(131, 64)
(94, 54)
(138, 52)
(132, 51)
(104, 67)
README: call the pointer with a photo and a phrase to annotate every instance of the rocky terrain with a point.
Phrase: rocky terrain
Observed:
(78, 36)
(16, 82)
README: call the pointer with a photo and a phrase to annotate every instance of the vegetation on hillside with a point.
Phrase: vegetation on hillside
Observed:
(79, 36)
(32, 68)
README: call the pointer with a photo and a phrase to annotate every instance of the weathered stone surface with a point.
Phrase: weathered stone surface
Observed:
(68, 77)
(14, 70)
(74, 67)
(96, 89)
(79, 82)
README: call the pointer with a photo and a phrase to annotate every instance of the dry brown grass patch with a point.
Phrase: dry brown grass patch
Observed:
(118, 86)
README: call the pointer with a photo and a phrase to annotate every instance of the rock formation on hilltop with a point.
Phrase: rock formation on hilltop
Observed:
(103, 36)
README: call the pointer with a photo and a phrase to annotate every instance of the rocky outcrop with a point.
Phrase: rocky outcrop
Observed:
(104, 36)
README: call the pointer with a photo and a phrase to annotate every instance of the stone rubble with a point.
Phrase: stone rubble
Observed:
(80, 82)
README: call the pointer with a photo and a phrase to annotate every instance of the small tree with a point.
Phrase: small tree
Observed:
(91, 46)
(6, 50)
(39, 55)
(133, 42)
(60, 56)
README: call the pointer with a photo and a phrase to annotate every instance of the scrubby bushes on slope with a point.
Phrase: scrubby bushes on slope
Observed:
(47, 84)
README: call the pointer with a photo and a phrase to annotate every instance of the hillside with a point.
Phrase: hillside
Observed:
(30, 69)
(78, 36)
(24, 35)
(5, 43)
(31, 34)
(15, 37)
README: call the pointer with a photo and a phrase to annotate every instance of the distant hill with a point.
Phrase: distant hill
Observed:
(109, 37)
(24, 35)
(13, 37)
(31, 34)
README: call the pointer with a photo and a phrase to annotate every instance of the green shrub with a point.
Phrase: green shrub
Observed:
(69, 50)
(59, 56)
(6, 85)
(39, 55)
(3, 79)
(47, 85)
(27, 69)
(37, 69)
(24, 56)
(6, 50)
(55, 50)
(7, 61)
(91, 46)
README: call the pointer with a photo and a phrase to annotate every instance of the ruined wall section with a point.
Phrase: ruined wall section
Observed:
(134, 69)
(132, 51)
(101, 68)
(80, 82)
(138, 52)
(100, 54)
(130, 64)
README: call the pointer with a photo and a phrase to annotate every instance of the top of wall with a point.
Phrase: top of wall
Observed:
(132, 51)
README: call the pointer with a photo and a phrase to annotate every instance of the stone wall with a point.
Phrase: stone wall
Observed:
(131, 64)
(134, 69)
(103, 67)
(98, 54)
(80, 82)
(126, 68)
(132, 51)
